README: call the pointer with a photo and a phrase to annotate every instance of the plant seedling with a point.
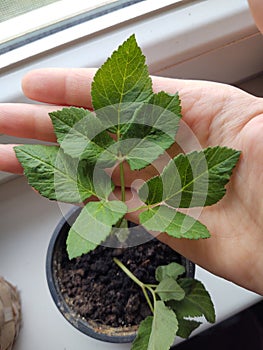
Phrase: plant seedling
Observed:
(131, 124)
(175, 300)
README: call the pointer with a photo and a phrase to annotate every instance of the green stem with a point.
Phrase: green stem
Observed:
(147, 297)
(141, 207)
(144, 206)
(122, 178)
(138, 282)
(148, 286)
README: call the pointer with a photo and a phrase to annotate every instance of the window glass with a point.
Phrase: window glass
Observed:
(13, 8)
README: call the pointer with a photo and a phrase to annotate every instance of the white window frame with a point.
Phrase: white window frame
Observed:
(36, 24)
(47, 15)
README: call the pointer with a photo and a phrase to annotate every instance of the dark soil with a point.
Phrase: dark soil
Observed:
(99, 290)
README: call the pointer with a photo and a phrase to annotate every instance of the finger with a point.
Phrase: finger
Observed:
(8, 160)
(207, 107)
(60, 86)
(73, 87)
(27, 121)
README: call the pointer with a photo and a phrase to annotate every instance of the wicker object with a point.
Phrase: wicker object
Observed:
(10, 314)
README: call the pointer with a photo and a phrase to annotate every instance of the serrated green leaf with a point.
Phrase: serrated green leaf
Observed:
(81, 135)
(158, 116)
(93, 226)
(77, 245)
(174, 223)
(194, 179)
(186, 327)
(152, 129)
(164, 327)
(65, 119)
(142, 153)
(151, 192)
(142, 339)
(173, 270)
(197, 301)
(138, 153)
(169, 289)
(120, 84)
(54, 174)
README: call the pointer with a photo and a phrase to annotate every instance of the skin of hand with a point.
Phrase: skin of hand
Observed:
(217, 114)
(256, 8)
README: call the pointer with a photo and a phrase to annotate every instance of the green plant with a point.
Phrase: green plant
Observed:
(130, 124)
(173, 301)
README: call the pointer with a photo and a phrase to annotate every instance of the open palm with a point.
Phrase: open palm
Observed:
(217, 114)
(221, 114)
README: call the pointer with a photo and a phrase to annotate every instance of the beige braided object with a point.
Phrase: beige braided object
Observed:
(10, 314)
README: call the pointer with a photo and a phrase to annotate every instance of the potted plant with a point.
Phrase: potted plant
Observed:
(130, 127)
(94, 294)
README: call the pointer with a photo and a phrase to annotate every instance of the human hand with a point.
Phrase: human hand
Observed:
(256, 7)
(217, 114)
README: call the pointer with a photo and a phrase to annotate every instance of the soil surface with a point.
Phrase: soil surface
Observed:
(99, 290)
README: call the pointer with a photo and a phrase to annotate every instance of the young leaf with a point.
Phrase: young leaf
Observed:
(159, 116)
(169, 289)
(186, 327)
(65, 119)
(77, 245)
(144, 331)
(120, 83)
(164, 327)
(93, 226)
(152, 129)
(173, 270)
(81, 135)
(197, 301)
(54, 174)
(138, 153)
(194, 179)
(151, 192)
(174, 223)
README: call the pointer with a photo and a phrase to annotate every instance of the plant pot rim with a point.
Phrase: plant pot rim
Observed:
(91, 328)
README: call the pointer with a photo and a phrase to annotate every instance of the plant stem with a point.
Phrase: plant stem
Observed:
(144, 206)
(137, 281)
(147, 298)
(122, 178)
(153, 296)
